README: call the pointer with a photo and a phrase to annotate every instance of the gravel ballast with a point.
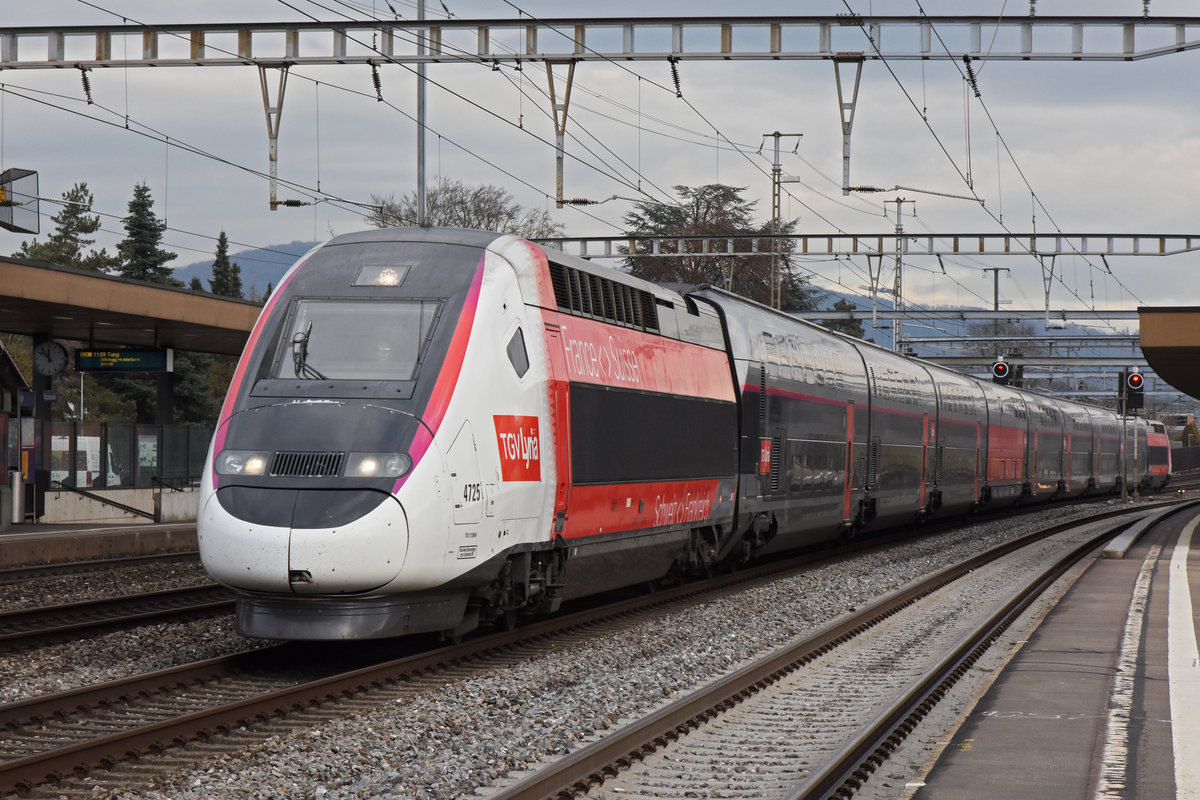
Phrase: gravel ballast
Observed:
(455, 740)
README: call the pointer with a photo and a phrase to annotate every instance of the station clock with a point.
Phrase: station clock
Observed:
(49, 358)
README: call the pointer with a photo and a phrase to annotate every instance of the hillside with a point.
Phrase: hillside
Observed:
(260, 267)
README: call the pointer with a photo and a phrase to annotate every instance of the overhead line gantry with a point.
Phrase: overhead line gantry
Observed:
(839, 39)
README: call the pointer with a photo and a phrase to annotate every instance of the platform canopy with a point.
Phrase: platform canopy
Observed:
(62, 303)
(1171, 344)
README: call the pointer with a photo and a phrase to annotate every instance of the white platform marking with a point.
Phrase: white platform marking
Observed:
(1114, 766)
(1183, 670)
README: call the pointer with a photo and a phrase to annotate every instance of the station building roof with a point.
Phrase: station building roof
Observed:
(101, 310)
(1171, 344)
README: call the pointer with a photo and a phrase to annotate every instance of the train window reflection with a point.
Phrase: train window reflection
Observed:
(517, 355)
(355, 340)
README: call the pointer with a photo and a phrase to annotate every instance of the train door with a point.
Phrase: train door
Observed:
(1064, 457)
(980, 456)
(465, 487)
(560, 414)
(926, 430)
(848, 478)
(770, 443)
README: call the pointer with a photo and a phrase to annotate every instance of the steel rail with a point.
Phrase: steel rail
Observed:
(21, 713)
(578, 771)
(20, 628)
(9, 575)
(853, 764)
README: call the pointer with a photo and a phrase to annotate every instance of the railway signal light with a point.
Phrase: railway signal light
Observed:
(1135, 383)
(1001, 372)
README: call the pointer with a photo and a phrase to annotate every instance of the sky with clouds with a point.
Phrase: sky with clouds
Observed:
(1106, 147)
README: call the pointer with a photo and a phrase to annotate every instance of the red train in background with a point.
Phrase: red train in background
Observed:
(434, 428)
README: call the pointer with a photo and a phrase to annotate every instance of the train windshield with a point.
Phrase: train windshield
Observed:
(355, 340)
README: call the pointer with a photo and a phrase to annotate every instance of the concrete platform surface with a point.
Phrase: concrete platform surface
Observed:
(1103, 701)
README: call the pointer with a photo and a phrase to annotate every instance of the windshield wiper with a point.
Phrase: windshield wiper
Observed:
(300, 356)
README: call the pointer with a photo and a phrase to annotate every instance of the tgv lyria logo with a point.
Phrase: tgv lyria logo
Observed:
(520, 454)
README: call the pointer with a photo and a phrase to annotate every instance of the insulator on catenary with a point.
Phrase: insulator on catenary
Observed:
(378, 83)
(673, 61)
(971, 75)
(87, 84)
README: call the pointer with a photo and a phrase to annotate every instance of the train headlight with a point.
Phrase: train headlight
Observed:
(377, 465)
(242, 462)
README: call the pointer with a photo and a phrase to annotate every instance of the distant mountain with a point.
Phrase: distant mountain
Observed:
(955, 328)
(260, 266)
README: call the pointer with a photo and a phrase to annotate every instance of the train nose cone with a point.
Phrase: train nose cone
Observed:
(355, 557)
(338, 542)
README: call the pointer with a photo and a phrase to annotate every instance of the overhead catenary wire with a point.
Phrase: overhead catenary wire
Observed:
(469, 151)
(394, 108)
(176, 230)
(679, 95)
(887, 65)
(731, 145)
(633, 185)
(1012, 157)
(458, 95)
(140, 129)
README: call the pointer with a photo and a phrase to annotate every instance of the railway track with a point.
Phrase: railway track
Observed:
(16, 575)
(36, 626)
(764, 731)
(175, 709)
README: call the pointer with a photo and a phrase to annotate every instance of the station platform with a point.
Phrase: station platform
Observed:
(1103, 700)
(29, 545)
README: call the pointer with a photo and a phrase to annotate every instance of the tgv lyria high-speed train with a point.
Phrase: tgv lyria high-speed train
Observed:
(430, 428)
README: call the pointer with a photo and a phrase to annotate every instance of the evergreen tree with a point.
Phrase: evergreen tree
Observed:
(102, 403)
(717, 210)
(850, 327)
(195, 285)
(195, 397)
(220, 375)
(141, 256)
(143, 259)
(132, 392)
(226, 275)
(70, 243)
(226, 281)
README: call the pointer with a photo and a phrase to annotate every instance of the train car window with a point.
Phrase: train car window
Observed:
(355, 340)
(517, 355)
